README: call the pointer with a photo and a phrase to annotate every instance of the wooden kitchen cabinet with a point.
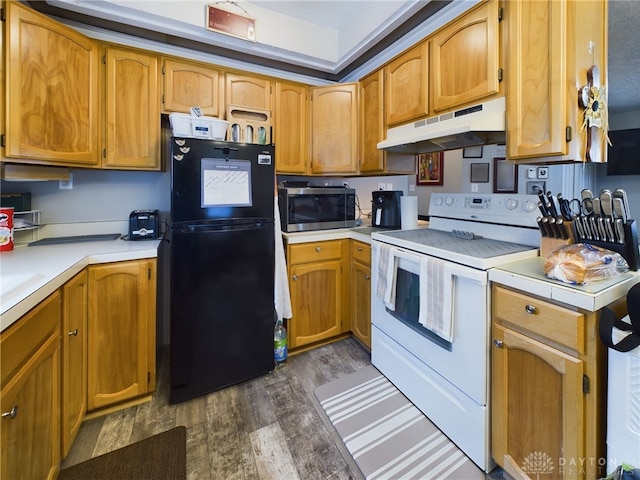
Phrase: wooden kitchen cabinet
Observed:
(132, 110)
(465, 58)
(52, 108)
(74, 358)
(361, 291)
(30, 393)
(548, 57)
(291, 127)
(247, 91)
(548, 388)
(334, 129)
(372, 126)
(121, 344)
(318, 281)
(191, 84)
(406, 86)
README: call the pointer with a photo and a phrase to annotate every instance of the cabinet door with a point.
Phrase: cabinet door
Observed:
(247, 91)
(316, 299)
(132, 127)
(464, 59)
(52, 91)
(187, 85)
(74, 358)
(30, 394)
(361, 302)
(291, 127)
(406, 87)
(121, 346)
(536, 102)
(334, 129)
(372, 128)
(537, 407)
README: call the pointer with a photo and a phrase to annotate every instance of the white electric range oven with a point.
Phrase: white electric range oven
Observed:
(430, 307)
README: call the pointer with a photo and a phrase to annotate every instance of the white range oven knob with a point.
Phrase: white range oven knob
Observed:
(438, 201)
(511, 204)
(529, 206)
(449, 201)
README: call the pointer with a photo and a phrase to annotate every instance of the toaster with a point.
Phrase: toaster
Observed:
(144, 224)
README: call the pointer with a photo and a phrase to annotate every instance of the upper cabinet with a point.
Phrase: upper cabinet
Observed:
(407, 86)
(191, 84)
(551, 46)
(52, 91)
(372, 128)
(465, 58)
(291, 127)
(132, 111)
(334, 127)
(248, 91)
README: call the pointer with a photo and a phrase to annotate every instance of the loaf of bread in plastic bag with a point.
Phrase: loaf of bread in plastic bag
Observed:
(582, 262)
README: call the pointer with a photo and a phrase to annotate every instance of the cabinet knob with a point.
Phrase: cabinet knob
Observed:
(497, 343)
(73, 333)
(531, 309)
(295, 277)
(11, 413)
(318, 249)
(367, 277)
(359, 249)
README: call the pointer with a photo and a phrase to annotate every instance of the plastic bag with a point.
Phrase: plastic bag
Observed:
(582, 262)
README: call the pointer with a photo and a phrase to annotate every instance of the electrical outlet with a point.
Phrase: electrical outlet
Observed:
(474, 188)
(412, 188)
(66, 184)
(389, 186)
(381, 186)
(543, 172)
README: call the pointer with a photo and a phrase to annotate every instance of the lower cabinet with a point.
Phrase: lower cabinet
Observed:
(30, 394)
(318, 282)
(121, 346)
(74, 358)
(548, 388)
(361, 291)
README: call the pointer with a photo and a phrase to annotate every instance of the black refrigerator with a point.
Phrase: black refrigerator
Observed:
(221, 242)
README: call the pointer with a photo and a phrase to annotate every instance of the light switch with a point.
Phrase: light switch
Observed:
(532, 172)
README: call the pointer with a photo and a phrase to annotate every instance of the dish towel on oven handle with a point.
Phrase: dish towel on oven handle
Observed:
(386, 284)
(436, 297)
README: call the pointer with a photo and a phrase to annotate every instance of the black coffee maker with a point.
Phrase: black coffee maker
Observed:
(385, 211)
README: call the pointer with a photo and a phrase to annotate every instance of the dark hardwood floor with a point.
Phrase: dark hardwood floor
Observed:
(271, 427)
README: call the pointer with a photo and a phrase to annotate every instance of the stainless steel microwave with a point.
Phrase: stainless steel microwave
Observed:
(316, 208)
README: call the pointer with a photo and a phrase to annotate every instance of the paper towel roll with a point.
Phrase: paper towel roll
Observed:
(408, 212)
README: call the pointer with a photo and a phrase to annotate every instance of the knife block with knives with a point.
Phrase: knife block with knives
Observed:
(605, 222)
(556, 230)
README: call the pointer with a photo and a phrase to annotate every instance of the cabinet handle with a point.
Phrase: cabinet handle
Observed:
(295, 277)
(11, 413)
(318, 249)
(367, 277)
(530, 309)
(497, 343)
(359, 249)
(73, 333)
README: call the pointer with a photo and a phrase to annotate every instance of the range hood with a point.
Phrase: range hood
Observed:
(480, 124)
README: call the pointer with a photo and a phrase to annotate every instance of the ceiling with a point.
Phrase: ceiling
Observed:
(328, 39)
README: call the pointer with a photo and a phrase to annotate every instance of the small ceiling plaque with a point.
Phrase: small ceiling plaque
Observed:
(223, 21)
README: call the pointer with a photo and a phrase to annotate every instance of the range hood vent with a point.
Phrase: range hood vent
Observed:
(481, 124)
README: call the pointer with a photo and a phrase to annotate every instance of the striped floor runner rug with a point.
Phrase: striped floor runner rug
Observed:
(388, 437)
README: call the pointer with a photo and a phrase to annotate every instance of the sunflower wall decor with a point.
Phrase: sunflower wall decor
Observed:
(595, 123)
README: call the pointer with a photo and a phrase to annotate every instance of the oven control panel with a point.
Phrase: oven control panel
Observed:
(506, 209)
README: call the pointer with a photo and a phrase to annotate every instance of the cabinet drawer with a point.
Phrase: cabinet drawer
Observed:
(361, 252)
(20, 341)
(315, 252)
(561, 325)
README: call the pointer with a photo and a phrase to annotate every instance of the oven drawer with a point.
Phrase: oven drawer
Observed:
(315, 251)
(361, 252)
(560, 325)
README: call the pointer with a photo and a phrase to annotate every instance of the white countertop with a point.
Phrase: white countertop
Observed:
(362, 233)
(528, 276)
(31, 274)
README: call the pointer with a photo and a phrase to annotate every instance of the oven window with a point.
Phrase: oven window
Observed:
(407, 306)
(317, 208)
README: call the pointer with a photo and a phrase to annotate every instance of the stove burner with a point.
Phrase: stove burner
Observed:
(464, 235)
